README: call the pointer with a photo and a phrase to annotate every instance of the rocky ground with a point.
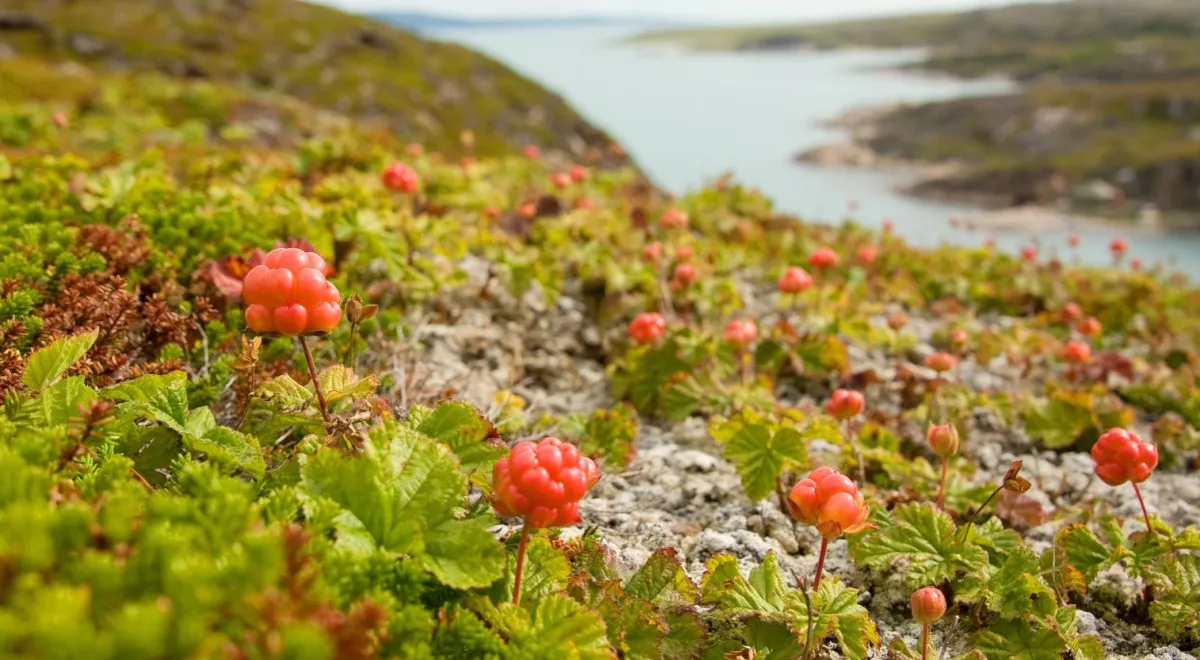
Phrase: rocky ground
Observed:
(680, 492)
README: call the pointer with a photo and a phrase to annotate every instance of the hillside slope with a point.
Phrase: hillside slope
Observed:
(424, 90)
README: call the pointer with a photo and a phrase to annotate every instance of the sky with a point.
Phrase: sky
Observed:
(698, 10)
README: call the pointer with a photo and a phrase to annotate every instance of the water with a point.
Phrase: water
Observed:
(688, 118)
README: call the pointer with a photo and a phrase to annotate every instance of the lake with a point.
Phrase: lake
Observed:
(686, 118)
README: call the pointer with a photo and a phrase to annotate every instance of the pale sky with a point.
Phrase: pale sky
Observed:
(699, 10)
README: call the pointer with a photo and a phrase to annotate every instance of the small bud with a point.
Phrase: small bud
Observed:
(928, 605)
(354, 309)
(943, 439)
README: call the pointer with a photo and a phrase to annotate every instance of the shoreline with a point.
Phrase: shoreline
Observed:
(861, 124)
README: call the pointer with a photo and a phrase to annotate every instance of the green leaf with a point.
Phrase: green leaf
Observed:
(761, 448)
(461, 427)
(1020, 640)
(143, 388)
(169, 407)
(662, 581)
(724, 587)
(609, 434)
(339, 382)
(772, 640)
(924, 537)
(226, 446)
(686, 635)
(838, 612)
(1084, 551)
(284, 392)
(1176, 608)
(546, 572)
(405, 498)
(1015, 589)
(47, 365)
(61, 402)
(200, 421)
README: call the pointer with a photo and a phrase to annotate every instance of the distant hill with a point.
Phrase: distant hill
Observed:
(430, 21)
(422, 90)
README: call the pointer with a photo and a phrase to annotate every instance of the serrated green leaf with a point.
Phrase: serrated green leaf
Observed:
(546, 571)
(772, 640)
(461, 427)
(561, 623)
(168, 407)
(284, 392)
(924, 537)
(1015, 588)
(230, 447)
(1083, 551)
(61, 402)
(405, 498)
(1020, 640)
(686, 635)
(760, 448)
(143, 388)
(662, 581)
(1176, 608)
(724, 587)
(339, 382)
(48, 364)
(200, 421)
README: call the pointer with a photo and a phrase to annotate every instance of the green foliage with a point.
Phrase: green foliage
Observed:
(47, 365)
(1176, 610)
(925, 538)
(762, 448)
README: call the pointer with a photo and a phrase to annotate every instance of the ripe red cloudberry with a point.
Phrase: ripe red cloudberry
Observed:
(830, 501)
(845, 404)
(928, 605)
(401, 178)
(941, 361)
(288, 294)
(1076, 352)
(674, 219)
(867, 254)
(543, 482)
(794, 280)
(1122, 456)
(647, 327)
(741, 332)
(823, 257)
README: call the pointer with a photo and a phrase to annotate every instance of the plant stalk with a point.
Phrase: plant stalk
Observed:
(1145, 513)
(520, 563)
(942, 488)
(975, 514)
(925, 641)
(858, 457)
(821, 562)
(312, 370)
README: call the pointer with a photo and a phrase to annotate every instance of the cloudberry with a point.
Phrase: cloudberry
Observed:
(288, 294)
(543, 482)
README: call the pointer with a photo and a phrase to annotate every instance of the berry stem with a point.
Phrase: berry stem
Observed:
(312, 370)
(858, 457)
(821, 562)
(942, 487)
(520, 564)
(925, 641)
(1145, 513)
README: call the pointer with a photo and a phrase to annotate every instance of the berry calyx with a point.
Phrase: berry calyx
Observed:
(823, 258)
(543, 482)
(943, 439)
(830, 501)
(288, 294)
(845, 404)
(1122, 456)
(742, 332)
(795, 280)
(674, 219)
(1076, 352)
(941, 361)
(928, 604)
(647, 327)
(401, 178)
